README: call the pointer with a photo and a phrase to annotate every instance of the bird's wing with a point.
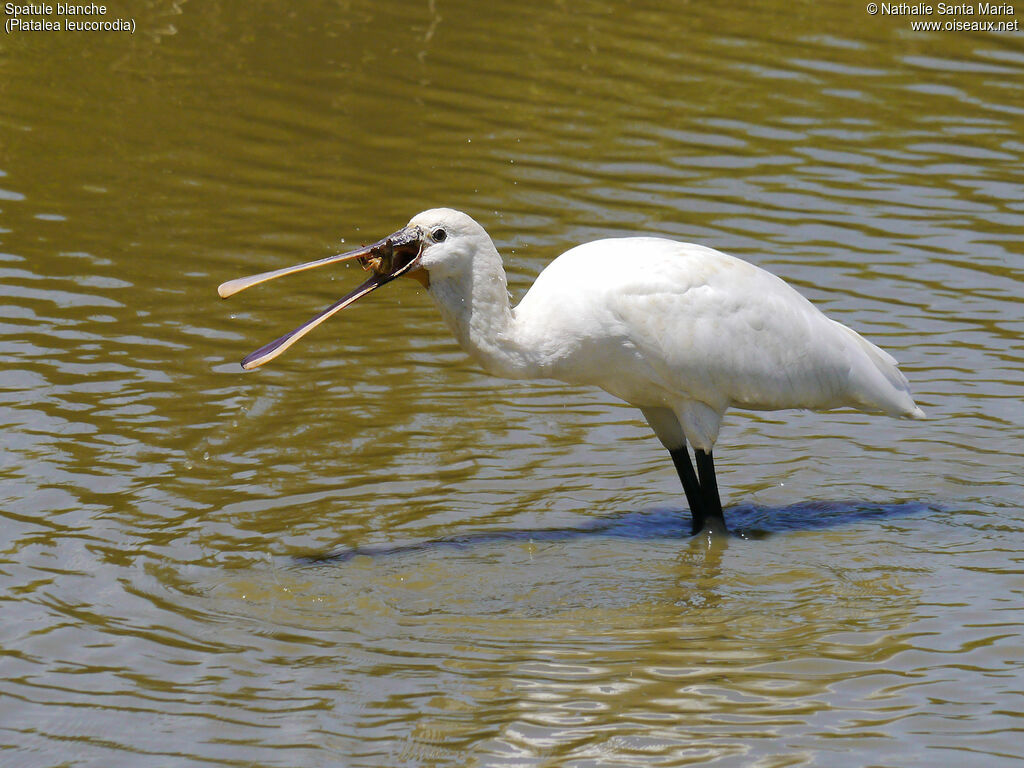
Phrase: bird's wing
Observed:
(652, 320)
(721, 331)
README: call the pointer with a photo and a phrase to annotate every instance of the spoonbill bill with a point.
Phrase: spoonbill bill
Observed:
(681, 331)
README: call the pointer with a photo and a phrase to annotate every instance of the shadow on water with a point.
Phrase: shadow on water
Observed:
(746, 521)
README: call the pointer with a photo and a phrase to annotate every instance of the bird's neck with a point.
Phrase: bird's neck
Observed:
(475, 305)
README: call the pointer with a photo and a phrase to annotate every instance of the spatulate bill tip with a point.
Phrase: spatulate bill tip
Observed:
(231, 287)
(274, 349)
(256, 359)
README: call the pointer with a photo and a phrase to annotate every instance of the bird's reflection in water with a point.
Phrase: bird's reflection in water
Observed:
(749, 522)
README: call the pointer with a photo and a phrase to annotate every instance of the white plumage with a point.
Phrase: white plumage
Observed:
(660, 324)
(681, 331)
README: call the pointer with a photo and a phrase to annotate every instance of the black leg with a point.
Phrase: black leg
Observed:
(714, 519)
(691, 487)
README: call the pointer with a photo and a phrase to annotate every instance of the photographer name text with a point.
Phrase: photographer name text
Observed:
(945, 9)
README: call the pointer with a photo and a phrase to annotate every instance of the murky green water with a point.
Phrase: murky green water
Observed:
(522, 590)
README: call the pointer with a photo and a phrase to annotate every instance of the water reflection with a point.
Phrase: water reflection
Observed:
(745, 521)
(602, 645)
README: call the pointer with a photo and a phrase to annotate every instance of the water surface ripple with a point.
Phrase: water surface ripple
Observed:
(370, 553)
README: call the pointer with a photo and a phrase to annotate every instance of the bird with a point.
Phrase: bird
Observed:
(681, 331)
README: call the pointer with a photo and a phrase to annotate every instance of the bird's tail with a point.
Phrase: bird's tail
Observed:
(881, 384)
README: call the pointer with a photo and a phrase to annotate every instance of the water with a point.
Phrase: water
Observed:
(512, 582)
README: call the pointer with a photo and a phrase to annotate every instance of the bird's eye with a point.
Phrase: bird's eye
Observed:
(438, 235)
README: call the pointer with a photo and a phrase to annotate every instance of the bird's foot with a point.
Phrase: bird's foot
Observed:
(713, 526)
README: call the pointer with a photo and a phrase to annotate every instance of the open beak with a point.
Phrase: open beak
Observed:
(392, 257)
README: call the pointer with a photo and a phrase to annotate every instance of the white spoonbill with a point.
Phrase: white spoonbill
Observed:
(681, 331)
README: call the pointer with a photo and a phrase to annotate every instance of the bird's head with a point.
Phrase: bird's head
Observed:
(450, 241)
(437, 242)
